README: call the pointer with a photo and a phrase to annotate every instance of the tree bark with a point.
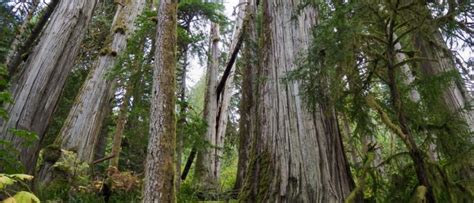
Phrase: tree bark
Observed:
(82, 126)
(297, 154)
(21, 50)
(160, 172)
(39, 86)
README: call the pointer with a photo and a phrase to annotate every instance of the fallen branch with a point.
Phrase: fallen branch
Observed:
(103, 159)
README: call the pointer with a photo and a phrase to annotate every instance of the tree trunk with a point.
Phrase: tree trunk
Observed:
(221, 124)
(455, 97)
(205, 173)
(121, 121)
(455, 101)
(39, 86)
(82, 126)
(247, 101)
(160, 172)
(297, 154)
(183, 108)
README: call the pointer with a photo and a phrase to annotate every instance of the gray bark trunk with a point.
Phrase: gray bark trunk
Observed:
(298, 155)
(216, 110)
(455, 96)
(160, 172)
(82, 127)
(121, 122)
(182, 117)
(222, 119)
(37, 91)
(205, 172)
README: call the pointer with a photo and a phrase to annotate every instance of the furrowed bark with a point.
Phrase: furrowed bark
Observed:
(39, 86)
(21, 51)
(82, 126)
(160, 172)
(297, 153)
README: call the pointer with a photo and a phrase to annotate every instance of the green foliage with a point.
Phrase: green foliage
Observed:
(195, 127)
(192, 18)
(8, 153)
(8, 25)
(350, 58)
(134, 73)
(9, 180)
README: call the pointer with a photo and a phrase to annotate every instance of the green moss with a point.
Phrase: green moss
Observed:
(104, 51)
(263, 162)
(419, 195)
(51, 153)
(120, 29)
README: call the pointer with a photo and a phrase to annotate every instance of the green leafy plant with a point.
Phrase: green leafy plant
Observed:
(8, 180)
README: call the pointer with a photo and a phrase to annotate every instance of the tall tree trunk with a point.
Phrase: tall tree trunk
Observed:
(37, 91)
(455, 100)
(183, 108)
(160, 172)
(455, 97)
(247, 107)
(121, 122)
(205, 173)
(297, 153)
(82, 126)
